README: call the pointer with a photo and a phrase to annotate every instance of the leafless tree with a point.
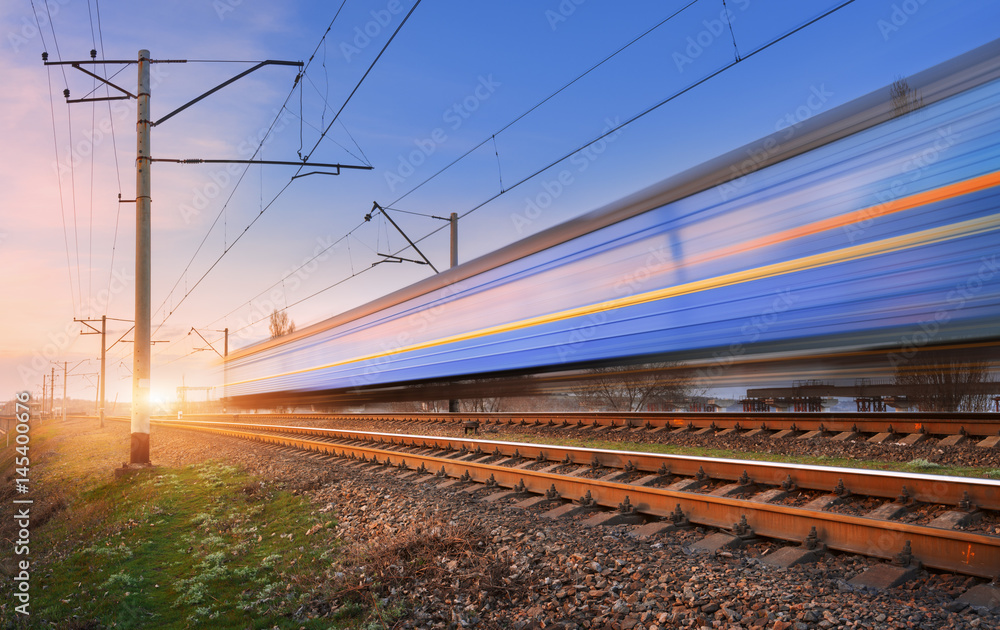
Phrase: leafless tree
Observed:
(280, 324)
(489, 395)
(904, 98)
(490, 404)
(941, 381)
(634, 387)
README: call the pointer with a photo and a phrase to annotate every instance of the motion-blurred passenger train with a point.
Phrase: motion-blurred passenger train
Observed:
(864, 227)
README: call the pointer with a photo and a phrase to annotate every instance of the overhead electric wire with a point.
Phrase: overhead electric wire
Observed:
(72, 188)
(360, 150)
(548, 98)
(326, 106)
(363, 77)
(90, 234)
(292, 273)
(645, 112)
(93, 164)
(62, 203)
(326, 32)
(603, 135)
(308, 297)
(236, 186)
(344, 238)
(55, 146)
(298, 171)
(72, 165)
(55, 41)
(246, 169)
(303, 121)
(41, 33)
(492, 136)
(585, 145)
(93, 34)
(114, 148)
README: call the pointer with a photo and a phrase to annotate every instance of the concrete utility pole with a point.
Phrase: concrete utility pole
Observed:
(139, 451)
(454, 239)
(139, 448)
(45, 388)
(52, 393)
(102, 400)
(452, 403)
(65, 374)
(100, 381)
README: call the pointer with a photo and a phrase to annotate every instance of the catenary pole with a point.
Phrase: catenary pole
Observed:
(454, 239)
(453, 219)
(100, 409)
(139, 448)
(139, 452)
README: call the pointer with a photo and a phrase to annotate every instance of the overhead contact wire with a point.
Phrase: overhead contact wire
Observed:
(646, 111)
(285, 187)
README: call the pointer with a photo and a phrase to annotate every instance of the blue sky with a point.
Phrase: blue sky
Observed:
(456, 74)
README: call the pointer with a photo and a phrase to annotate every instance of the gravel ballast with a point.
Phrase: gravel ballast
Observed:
(493, 565)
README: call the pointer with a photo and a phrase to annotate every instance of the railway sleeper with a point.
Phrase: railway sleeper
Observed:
(853, 534)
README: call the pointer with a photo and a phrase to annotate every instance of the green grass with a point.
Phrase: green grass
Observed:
(204, 546)
(201, 546)
(916, 466)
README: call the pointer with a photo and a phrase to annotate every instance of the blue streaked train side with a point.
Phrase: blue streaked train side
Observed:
(882, 238)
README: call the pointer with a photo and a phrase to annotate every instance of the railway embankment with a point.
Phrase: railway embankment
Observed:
(225, 533)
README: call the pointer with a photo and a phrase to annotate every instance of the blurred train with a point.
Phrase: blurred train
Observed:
(870, 226)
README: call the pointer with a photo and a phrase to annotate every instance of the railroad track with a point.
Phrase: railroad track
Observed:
(910, 428)
(945, 523)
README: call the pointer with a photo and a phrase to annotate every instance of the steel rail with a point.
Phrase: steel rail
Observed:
(948, 550)
(937, 489)
(901, 423)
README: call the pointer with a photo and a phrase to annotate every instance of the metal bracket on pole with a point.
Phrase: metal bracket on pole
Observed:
(269, 62)
(317, 173)
(105, 62)
(210, 346)
(390, 258)
(274, 162)
(368, 217)
(141, 381)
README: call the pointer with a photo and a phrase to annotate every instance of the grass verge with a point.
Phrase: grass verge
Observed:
(205, 545)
